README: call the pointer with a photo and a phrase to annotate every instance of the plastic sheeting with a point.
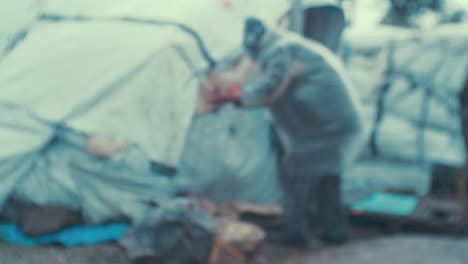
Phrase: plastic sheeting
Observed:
(125, 92)
(17, 16)
(384, 203)
(411, 81)
(370, 175)
(124, 83)
(95, 79)
(230, 156)
(204, 16)
(69, 237)
(65, 175)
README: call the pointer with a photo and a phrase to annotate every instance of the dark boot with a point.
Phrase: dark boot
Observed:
(334, 222)
(296, 232)
(296, 191)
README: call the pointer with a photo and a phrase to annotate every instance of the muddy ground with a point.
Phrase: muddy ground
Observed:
(397, 249)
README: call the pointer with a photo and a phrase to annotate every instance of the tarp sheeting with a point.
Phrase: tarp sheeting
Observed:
(384, 203)
(230, 156)
(204, 16)
(219, 22)
(69, 237)
(123, 81)
(126, 81)
(96, 78)
(17, 16)
(410, 81)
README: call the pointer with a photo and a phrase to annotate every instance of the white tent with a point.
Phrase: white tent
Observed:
(410, 81)
(93, 79)
(131, 82)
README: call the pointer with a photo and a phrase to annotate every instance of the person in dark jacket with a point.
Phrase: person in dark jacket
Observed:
(316, 115)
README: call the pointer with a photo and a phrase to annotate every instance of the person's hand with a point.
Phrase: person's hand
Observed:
(230, 92)
(224, 87)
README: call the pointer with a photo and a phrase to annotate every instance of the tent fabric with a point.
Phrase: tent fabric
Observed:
(136, 87)
(95, 99)
(421, 71)
(204, 16)
(374, 174)
(138, 92)
(320, 3)
(229, 155)
(65, 175)
(410, 81)
(17, 17)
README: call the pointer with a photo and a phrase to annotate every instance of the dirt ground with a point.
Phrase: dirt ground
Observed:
(398, 249)
(105, 254)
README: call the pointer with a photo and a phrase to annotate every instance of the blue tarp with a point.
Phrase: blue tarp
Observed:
(385, 203)
(70, 237)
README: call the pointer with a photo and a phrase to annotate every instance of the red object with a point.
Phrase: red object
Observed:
(232, 93)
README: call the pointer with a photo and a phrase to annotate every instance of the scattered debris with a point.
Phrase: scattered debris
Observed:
(178, 232)
(245, 237)
(239, 210)
(268, 217)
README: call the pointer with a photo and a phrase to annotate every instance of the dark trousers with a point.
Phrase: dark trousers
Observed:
(301, 191)
(325, 25)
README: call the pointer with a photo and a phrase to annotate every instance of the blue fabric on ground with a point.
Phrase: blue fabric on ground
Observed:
(70, 237)
(385, 203)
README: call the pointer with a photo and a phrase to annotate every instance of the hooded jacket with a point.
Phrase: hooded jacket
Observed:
(318, 115)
